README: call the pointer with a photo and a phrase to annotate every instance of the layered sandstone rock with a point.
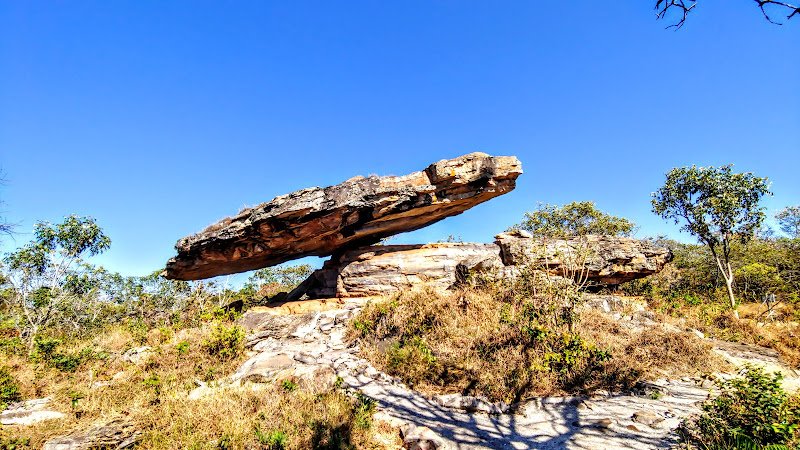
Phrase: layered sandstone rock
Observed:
(385, 269)
(358, 212)
(608, 260)
(380, 270)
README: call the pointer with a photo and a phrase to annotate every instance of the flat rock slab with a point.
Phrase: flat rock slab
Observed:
(29, 412)
(360, 211)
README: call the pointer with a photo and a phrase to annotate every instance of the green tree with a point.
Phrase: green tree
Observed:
(574, 219)
(278, 278)
(49, 272)
(789, 220)
(717, 206)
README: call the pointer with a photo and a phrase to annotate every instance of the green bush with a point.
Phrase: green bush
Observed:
(272, 440)
(46, 351)
(9, 391)
(14, 443)
(12, 346)
(752, 412)
(225, 342)
(45, 348)
(412, 359)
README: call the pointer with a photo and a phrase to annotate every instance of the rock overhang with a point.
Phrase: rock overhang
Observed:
(358, 212)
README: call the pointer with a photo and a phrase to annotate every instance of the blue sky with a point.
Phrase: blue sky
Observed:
(158, 118)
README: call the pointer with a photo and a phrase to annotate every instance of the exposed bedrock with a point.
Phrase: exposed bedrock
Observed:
(381, 270)
(385, 269)
(360, 211)
(608, 260)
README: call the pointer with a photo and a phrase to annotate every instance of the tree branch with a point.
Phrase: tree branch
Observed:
(684, 7)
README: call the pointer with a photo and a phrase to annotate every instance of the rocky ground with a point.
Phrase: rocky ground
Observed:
(306, 340)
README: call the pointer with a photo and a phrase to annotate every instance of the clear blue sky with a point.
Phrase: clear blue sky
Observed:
(158, 118)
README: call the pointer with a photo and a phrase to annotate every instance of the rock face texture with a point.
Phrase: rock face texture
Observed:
(385, 269)
(117, 434)
(29, 412)
(358, 212)
(380, 270)
(609, 260)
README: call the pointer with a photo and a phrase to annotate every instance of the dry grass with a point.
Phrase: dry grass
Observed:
(154, 395)
(486, 342)
(779, 331)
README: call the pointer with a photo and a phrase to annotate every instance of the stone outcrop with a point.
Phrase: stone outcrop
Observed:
(385, 269)
(29, 412)
(117, 434)
(607, 260)
(357, 212)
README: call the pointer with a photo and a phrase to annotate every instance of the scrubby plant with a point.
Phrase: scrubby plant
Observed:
(273, 439)
(225, 342)
(9, 389)
(510, 344)
(751, 412)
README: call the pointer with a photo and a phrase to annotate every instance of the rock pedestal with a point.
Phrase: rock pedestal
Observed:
(386, 269)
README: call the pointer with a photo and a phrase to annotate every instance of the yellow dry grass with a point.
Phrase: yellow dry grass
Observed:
(155, 396)
(484, 342)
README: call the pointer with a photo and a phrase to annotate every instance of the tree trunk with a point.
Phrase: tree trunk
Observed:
(727, 275)
(729, 287)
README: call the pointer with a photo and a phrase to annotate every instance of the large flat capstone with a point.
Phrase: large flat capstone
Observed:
(358, 212)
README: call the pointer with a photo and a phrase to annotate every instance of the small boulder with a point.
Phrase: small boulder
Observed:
(648, 418)
(421, 438)
(137, 355)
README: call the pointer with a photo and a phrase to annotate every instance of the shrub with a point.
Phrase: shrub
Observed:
(225, 342)
(515, 342)
(272, 440)
(45, 350)
(752, 411)
(14, 443)
(9, 390)
(12, 346)
(182, 348)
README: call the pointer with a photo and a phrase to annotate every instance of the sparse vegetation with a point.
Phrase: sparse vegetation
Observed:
(752, 412)
(9, 390)
(225, 342)
(510, 346)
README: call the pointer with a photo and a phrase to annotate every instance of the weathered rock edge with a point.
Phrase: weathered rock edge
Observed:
(358, 212)
(386, 269)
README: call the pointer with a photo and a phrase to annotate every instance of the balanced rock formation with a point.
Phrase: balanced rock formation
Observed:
(360, 211)
(386, 269)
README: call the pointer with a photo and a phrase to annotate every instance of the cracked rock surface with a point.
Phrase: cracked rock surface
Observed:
(360, 211)
(311, 346)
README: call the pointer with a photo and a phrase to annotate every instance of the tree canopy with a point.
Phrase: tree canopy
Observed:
(717, 206)
(789, 220)
(574, 219)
